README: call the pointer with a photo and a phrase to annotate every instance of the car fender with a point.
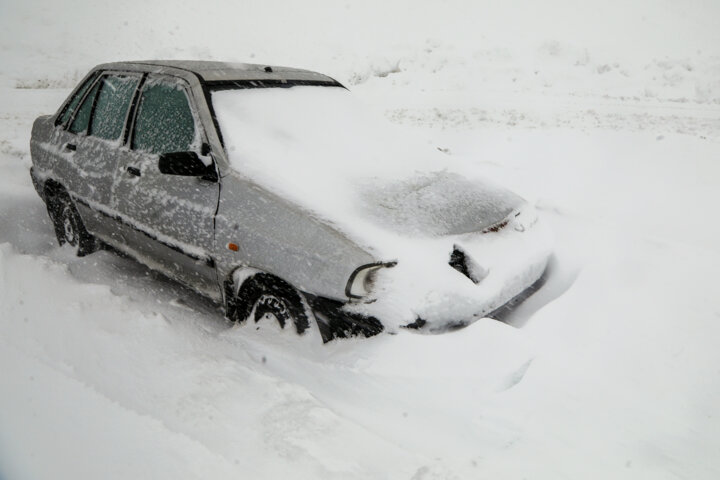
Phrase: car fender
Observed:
(257, 228)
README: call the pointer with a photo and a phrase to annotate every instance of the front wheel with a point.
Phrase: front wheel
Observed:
(264, 298)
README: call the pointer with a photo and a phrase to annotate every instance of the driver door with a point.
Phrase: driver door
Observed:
(168, 220)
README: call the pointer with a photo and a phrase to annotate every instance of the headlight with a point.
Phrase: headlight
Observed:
(360, 282)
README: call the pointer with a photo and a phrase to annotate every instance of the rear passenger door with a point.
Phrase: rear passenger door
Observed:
(92, 146)
(170, 218)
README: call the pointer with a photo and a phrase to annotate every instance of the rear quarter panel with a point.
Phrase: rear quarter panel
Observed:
(40, 141)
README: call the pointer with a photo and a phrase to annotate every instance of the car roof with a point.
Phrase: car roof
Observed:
(212, 71)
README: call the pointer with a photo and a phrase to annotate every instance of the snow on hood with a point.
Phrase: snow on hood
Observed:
(320, 148)
(438, 203)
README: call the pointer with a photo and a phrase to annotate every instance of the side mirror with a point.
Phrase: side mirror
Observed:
(182, 163)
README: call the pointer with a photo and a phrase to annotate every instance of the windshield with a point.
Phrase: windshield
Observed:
(303, 127)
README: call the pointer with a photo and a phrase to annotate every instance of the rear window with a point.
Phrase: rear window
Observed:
(113, 101)
(82, 118)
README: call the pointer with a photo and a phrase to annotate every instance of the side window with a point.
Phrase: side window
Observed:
(82, 118)
(111, 107)
(164, 121)
(72, 105)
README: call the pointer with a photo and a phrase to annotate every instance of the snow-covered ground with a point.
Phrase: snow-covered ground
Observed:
(606, 115)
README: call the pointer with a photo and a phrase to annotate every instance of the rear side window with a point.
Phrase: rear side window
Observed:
(82, 118)
(74, 102)
(164, 121)
(112, 104)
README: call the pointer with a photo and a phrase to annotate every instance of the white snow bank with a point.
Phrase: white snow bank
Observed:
(114, 360)
(665, 51)
(91, 380)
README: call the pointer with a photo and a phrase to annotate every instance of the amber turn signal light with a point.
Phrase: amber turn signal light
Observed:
(233, 246)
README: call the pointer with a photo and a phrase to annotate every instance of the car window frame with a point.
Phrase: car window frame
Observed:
(71, 120)
(98, 78)
(187, 90)
(89, 81)
(204, 149)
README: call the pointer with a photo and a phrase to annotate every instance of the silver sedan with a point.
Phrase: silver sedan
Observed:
(272, 191)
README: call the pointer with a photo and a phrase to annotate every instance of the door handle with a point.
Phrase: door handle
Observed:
(133, 171)
(70, 146)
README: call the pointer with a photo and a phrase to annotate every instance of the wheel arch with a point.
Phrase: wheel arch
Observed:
(237, 300)
(328, 314)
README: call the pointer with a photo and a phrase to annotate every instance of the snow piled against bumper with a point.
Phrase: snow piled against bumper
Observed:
(424, 286)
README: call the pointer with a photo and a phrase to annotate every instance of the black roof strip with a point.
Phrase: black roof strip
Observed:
(216, 85)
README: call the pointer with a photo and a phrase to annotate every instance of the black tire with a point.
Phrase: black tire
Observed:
(263, 297)
(69, 228)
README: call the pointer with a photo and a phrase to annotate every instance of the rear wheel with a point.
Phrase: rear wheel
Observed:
(69, 228)
(264, 298)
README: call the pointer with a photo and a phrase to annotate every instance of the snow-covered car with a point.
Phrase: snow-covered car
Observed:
(272, 191)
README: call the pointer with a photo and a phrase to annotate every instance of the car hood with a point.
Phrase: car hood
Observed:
(437, 203)
(318, 148)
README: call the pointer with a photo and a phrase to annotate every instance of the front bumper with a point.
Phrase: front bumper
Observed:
(498, 314)
(424, 290)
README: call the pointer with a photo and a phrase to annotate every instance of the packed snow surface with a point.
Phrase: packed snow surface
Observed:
(108, 370)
